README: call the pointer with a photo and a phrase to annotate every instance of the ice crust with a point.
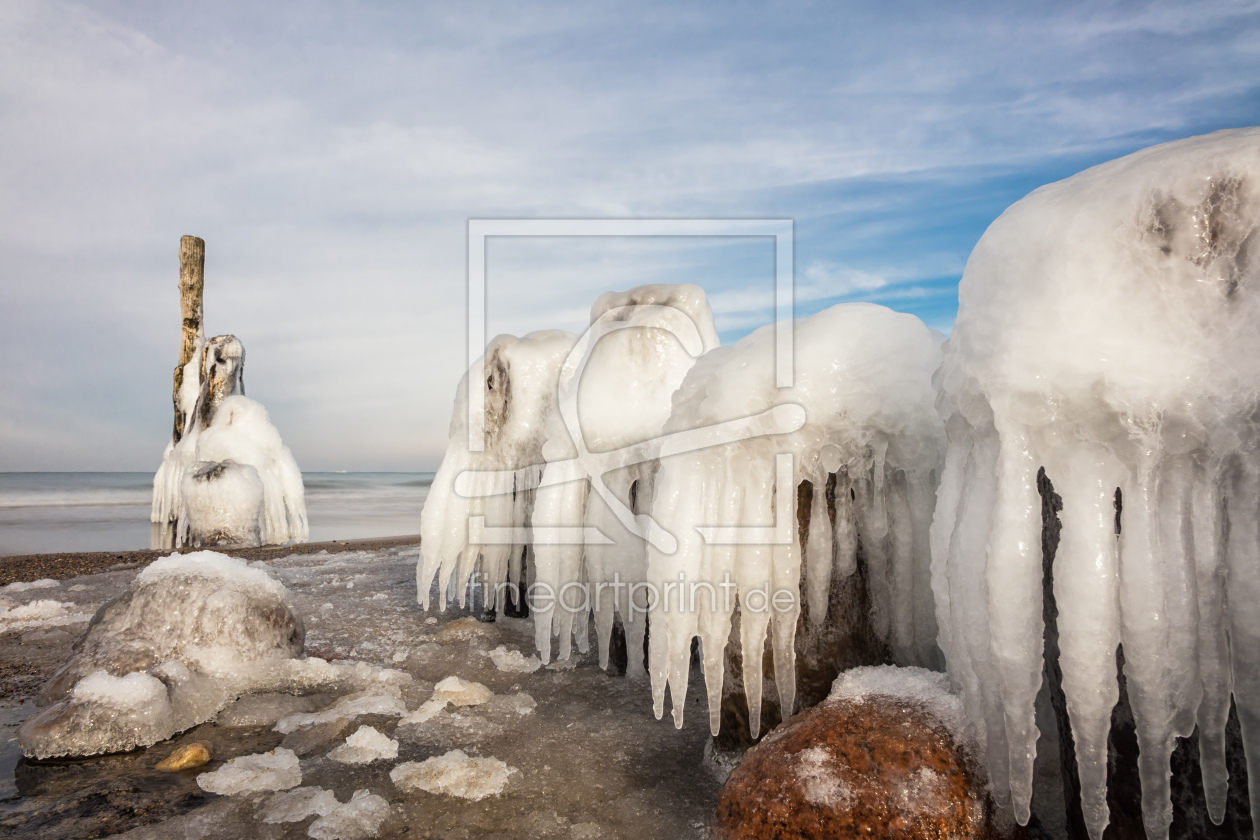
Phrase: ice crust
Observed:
(1107, 331)
(454, 774)
(859, 419)
(930, 690)
(275, 770)
(229, 480)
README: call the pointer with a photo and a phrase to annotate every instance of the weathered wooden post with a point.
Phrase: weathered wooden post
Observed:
(192, 280)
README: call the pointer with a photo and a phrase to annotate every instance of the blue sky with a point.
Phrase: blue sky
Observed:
(331, 155)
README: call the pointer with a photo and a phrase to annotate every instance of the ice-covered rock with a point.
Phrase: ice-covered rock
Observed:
(297, 804)
(358, 819)
(193, 633)
(226, 477)
(365, 746)
(881, 757)
(278, 769)
(454, 774)
(858, 424)
(1108, 330)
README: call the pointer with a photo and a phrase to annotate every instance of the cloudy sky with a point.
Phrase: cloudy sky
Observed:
(330, 154)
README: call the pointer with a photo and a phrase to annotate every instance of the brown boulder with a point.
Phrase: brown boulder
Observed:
(878, 766)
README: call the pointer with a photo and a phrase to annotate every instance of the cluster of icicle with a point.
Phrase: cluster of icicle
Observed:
(1107, 331)
(226, 469)
(867, 440)
(620, 458)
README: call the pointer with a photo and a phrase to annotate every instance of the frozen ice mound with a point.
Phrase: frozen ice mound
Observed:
(454, 774)
(358, 819)
(859, 425)
(230, 480)
(365, 746)
(275, 770)
(1108, 331)
(191, 634)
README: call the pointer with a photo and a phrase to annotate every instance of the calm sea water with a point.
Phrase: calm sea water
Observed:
(64, 511)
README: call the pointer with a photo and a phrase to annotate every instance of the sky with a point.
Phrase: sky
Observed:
(331, 155)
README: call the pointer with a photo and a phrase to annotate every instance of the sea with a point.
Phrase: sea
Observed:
(48, 512)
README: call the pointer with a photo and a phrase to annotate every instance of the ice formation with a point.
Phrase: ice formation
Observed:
(275, 770)
(191, 634)
(226, 477)
(930, 690)
(520, 393)
(454, 774)
(859, 427)
(560, 410)
(1108, 330)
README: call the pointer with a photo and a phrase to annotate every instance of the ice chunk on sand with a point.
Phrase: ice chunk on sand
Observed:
(298, 804)
(514, 661)
(454, 774)
(427, 710)
(24, 586)
(365, 746)
(1108, 331)
(275, 770)
(42, 613)
(459, 692)
(358, 819)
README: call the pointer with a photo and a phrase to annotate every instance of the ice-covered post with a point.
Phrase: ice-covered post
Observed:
(192, 281)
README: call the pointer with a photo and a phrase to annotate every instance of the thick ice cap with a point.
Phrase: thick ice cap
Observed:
(1135, 284)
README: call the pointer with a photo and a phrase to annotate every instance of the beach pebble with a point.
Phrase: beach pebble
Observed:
(186, 757)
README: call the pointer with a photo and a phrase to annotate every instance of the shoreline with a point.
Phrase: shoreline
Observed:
(20, 568)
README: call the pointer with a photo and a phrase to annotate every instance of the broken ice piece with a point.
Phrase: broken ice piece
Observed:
(298, 804)
(514, 660)
(358, 819)
(365, 746)
(275, 770)
(454, 774)
(459, 692)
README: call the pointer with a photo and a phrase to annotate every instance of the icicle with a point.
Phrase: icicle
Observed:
(1241, 551)
(901, 568)
(785, 581)
(1144, 634)
(1013, 576)
(818, 560)
(845, 536)
(1086, 590)
(1213, 652)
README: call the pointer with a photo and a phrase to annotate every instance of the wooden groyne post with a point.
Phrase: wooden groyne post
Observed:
(192, 280)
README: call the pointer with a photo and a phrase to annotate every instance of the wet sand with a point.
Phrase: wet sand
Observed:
(28, 567)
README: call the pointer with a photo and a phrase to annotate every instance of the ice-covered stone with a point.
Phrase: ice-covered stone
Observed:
(278, 769)
(365, 746)
(454, 774)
